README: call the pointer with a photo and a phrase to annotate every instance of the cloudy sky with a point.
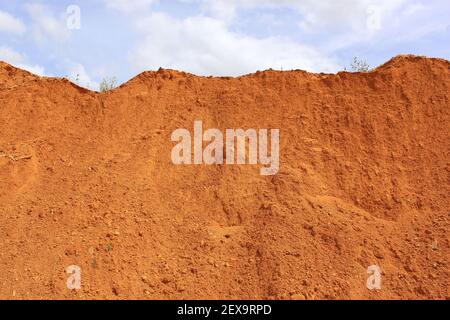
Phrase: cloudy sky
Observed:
(92, 39)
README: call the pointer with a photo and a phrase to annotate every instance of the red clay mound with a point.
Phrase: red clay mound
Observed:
(87, 179)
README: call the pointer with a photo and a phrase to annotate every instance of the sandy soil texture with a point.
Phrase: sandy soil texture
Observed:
(87, 180)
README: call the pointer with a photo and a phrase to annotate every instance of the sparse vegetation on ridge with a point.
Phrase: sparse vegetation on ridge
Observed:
(107, 84)
(359, 65)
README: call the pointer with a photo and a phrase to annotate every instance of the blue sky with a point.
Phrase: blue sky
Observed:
(122, 38)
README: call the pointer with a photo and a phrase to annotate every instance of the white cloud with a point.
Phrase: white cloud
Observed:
(77, 74)
(129, 6)
(34, 68)
(205, 46)
(18, 60)
(47, 26)
(10, 56)
(316, 15)
(11, 24)
(347, 23)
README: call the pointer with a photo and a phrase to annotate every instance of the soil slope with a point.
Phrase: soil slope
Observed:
(87, 179)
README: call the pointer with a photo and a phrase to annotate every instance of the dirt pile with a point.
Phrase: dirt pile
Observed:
(87, 179)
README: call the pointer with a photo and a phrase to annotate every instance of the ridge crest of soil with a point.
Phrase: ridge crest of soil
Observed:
(11, 74)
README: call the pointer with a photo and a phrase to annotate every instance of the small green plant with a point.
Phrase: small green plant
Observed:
(360, 65)
(107, 84)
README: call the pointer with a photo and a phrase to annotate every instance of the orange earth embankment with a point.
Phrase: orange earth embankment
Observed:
(87, 179)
